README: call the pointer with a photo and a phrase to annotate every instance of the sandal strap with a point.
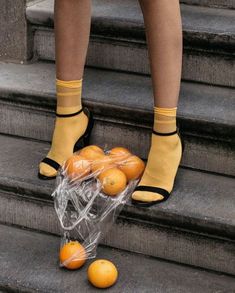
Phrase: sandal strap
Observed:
(51, 163)
(159, 190)
(69, 115)
(164, 134)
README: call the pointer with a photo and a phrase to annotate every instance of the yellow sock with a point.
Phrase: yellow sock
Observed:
(164, 156)
(67, 130)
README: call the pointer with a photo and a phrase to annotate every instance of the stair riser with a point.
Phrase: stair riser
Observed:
(133, 57)
(200, 153)
(154, 240)
(211, 3)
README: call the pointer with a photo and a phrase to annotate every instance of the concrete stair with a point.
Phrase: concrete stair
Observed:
(122, 104)
(228, 4)
(118, 39)
(188, 241)
(31, 265)
(196, 226)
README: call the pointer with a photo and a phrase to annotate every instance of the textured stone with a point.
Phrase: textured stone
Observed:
(118, 39)
(30, 264)
(195, 226)
(15, 38)
(211, 3)
(205, 116)
(197, 195)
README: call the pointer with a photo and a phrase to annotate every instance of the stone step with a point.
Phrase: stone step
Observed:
(196, 226)
(29, 263)
(122, 104)
(229, 4)
(118, 39)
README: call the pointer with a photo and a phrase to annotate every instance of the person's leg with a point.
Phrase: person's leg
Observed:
(72, 30)
(164, 39)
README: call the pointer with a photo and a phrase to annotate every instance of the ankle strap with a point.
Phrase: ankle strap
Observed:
(165, 134)
(69, 115)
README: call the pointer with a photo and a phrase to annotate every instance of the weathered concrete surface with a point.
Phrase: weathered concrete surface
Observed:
(202, 154)
(133, 57)
(151, 239)
(118, 39)
(195, 226)
(128, 94)
(126, 15)
(122, 103)
(15, 37)
(211, 3)
(206, 200)
(29, 263)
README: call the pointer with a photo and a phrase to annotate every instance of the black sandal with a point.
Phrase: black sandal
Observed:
(158, 190)
(81, 142)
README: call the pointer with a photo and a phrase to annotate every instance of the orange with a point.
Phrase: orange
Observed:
(101, 164)
(91, 152)
(77, 167)
(133, 167)
(119, 154)
(102, 273)
(113, 181)
(76, 252)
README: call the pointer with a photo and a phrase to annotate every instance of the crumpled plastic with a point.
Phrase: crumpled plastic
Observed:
(84, 211)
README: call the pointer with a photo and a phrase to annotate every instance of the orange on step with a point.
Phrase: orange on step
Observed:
(102, 273)
(102, 164)
(91, 152)
(119, 154)
(113, 181)
(72, 255)
(77, 167)
(133, 167)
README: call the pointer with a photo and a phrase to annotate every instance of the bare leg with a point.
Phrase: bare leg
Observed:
(72, 30)
(164, 38)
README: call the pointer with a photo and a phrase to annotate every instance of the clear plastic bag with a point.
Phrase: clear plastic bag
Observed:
(86, 204)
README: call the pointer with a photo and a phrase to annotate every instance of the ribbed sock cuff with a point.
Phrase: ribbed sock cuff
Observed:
(69, 95)
(166, 111)
(165, 119)
(69, 83)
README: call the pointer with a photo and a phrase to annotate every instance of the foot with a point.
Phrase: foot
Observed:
(66, 132)
(162, 165)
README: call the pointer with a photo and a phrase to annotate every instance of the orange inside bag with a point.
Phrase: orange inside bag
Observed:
(114, 169)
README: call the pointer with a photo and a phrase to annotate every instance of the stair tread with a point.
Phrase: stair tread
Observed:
(200, 202)
(126, 16)
(29, 261)
(203, 109)
(227, 4)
